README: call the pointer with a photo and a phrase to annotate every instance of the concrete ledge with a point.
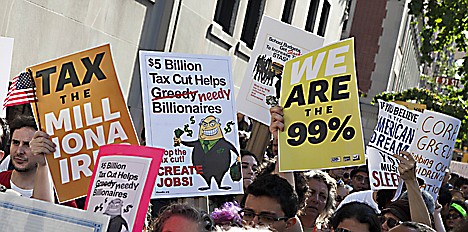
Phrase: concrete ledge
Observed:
(217, 31)
(242, 48)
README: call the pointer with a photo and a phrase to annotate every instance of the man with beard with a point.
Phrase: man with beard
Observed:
(29, 164)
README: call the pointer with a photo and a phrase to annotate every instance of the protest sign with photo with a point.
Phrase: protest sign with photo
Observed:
(6, 52)
(433, 147)
(26, 214)
(321, 110)
(190, 112)
(394, 132)
(81, 106)
(122, 184)
(276, 43)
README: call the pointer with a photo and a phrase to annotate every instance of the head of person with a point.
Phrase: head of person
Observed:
(321, 200)
(249, 167)
(457, 195)
(355, 216)
(445, 199)
(270, 201)
(464, 188)
(22, 131)
(4, 137)
(456, 215)
(396, 213)
(412, 227)
(360, 179)
(182, 218)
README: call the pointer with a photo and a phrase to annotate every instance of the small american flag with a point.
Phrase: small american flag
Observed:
(21, 91)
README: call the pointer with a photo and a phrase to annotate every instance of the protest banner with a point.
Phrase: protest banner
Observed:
(459, 168)
(80, 105)
(122, 183)
(276, 43)
(432, 148)
(394, 132)
(321, 110)
(26, 214)
(189, 110)
(6, 52)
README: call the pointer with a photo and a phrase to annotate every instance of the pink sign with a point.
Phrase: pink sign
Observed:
(122, 182)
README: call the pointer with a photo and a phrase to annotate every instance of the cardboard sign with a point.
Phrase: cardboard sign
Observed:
(394, 132)
(321, 111)
(189, 110)
(80, 105)
(27, 214)
(6, 52)
(433, 147)
(276, 43)
(122, 183)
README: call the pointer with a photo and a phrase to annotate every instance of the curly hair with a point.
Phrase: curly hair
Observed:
(331, 185)
(202, 219)
(22, 121)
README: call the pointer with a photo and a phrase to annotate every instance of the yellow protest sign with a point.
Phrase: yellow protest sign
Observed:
(80, 105)
(321, 110)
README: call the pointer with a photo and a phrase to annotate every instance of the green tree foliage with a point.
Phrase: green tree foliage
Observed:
(444, 27)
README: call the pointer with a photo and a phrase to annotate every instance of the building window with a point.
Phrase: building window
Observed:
(288, 11)
(324, 19)
(225, 14)
(252, 20)
(313, 8)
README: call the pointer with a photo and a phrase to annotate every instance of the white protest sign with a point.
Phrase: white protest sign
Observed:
(394, 132)
(433, 146)
(190, 111)
(276, 43)
(6, 51)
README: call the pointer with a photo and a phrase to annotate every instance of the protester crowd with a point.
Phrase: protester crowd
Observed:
(317, 200)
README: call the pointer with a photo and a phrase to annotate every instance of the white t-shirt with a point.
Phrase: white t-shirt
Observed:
(24, 192)
(4, 164)
(365, 196)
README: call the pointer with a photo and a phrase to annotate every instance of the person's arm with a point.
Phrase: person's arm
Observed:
(407, 169)
(438, 223)
(276, 125)
(40, 146)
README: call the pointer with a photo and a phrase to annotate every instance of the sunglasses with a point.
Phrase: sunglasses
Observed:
(342, 230)
(453, 216)
(390, 221)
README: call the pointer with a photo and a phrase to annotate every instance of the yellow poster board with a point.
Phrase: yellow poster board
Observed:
(321, 110)
(81, 106)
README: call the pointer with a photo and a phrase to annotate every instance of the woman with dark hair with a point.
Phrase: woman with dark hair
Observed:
(355, 216)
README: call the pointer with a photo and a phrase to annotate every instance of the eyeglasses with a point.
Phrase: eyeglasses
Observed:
(390, 221)
(342, 230)
(453, 216)
(263, 218)
(362, 178)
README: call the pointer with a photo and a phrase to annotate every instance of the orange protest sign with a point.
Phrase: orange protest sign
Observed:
(80, 105)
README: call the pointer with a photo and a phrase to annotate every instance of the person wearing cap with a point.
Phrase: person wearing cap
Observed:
(396, 213)
(456, 215)
(360, 179)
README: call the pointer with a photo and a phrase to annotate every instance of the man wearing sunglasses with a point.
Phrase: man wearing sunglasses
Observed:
(360, 179)
(270, 201)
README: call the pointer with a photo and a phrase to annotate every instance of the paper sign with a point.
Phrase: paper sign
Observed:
(394, 132)
(6, 52)
(433, 147)
(321, 111)
(276, 43)
(122, 184)
(189, 110)
(25, 214)
(80, 105)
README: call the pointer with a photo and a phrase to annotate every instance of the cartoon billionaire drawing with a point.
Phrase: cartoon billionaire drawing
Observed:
(211, 151)
(114, 210)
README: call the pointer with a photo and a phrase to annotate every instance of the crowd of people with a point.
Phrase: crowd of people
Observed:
(337, 199)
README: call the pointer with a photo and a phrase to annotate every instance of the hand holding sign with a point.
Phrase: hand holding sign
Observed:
(277, 121)
(407, 166)
(41, 145)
